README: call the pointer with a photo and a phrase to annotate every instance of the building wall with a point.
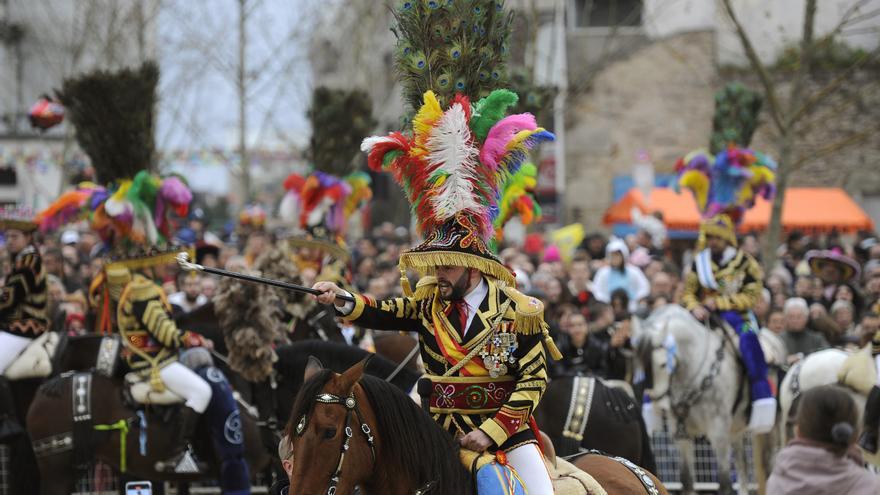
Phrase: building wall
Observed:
(659, 99)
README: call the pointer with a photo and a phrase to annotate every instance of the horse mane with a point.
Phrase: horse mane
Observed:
(420, 447)
(292, 359)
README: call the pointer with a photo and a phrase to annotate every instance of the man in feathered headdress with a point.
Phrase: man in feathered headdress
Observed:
(477, 332)
(112, 113)
(22, 305)
(727, 281)
(724, 280)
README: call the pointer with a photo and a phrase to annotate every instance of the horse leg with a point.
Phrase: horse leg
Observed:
(687, 466)
(721, 446)
(739, 460)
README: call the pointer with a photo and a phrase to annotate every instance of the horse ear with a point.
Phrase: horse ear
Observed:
(313, 367)
(354, 374)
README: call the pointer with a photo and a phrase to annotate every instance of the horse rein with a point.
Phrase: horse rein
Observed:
(681, 408)
(351, 407)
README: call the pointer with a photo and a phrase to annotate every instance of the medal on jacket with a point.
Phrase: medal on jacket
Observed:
(498, 352)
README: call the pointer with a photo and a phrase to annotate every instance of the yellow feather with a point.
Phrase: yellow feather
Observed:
(425, 119)
(698, 183)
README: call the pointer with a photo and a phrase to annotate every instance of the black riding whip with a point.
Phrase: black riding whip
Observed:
(183, 261)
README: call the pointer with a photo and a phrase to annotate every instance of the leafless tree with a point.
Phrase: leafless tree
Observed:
(790, 114)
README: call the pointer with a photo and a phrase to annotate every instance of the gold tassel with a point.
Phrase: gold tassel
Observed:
(404, 283)
(551, 347)
(156, 383)
(425, 288)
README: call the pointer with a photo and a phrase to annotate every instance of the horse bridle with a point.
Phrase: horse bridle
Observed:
(681, 408)
(351, 407)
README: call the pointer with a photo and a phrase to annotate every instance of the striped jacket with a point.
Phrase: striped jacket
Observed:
(23, 301)
(739, 284)
(144, 321)
(501, 406)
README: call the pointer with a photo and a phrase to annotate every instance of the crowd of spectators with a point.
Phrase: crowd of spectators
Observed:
(589, 294)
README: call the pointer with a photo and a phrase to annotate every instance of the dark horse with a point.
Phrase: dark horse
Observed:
(352, 429)
(51, 418)
(614, 422)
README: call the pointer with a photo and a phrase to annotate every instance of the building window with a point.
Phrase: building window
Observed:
(607, 13)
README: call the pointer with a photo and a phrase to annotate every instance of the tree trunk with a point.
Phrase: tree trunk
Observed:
(241, 83)
(774, 231)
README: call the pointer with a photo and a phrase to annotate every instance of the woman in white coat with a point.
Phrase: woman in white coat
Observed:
(618, 274)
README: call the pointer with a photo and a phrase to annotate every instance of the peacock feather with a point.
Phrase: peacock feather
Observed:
(451, 47)
(340, 121)
(736, 117)
(113, 116)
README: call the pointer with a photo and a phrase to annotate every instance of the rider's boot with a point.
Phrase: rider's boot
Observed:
(9, 425)
(184, 460)
(868, 439)
(763, 415)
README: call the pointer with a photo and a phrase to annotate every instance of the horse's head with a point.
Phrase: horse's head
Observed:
(657, 349)
(333, 444)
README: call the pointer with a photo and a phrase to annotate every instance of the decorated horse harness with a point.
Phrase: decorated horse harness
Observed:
(351, 408)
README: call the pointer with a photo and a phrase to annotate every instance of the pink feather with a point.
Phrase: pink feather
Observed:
(502, 133)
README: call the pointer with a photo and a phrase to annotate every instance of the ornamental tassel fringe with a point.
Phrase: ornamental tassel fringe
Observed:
(156, 383)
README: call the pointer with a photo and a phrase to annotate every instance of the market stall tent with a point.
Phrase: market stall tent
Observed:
(807, 209)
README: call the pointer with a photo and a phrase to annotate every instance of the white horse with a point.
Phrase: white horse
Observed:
(817, 369)
(697, 378)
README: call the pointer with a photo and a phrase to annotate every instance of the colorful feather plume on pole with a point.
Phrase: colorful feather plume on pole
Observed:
(518, 198)
(728, 182)
(728, 178)
(138, 210)
(319, 199)
(454, 162)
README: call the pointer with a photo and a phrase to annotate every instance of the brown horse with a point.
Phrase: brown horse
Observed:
(353, 430)
(616, 477)
(60, 444)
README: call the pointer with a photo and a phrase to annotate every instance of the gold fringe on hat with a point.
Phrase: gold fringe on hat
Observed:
(426, 262)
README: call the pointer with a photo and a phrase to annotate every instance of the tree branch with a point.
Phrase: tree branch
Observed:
(833, 147)
(755, 61)
(805, 62)
(829, 88)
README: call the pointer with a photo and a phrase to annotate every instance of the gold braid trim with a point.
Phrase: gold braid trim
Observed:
(427, 261)
(143, 288)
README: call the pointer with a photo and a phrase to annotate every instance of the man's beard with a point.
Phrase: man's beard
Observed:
(191, 299)
(459, 287)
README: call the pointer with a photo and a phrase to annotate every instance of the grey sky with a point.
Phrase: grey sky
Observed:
(197, 44)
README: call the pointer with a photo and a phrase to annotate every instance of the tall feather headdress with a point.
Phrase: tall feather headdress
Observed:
(727, 180)
(462, 144)
(134, 209)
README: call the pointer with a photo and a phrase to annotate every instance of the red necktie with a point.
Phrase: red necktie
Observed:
(461, 308)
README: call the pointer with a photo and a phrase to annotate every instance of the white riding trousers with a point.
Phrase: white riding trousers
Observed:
(10, 348)
(877, 367)
(187, 384)
(529, 465)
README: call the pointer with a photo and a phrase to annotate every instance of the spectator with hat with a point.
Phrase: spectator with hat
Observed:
(618, 274)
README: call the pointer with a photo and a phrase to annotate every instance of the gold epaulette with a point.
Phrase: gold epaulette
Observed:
(528, 318)
(142, 289)
(425, 288)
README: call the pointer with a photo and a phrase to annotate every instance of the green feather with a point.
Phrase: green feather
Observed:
(490, 110)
